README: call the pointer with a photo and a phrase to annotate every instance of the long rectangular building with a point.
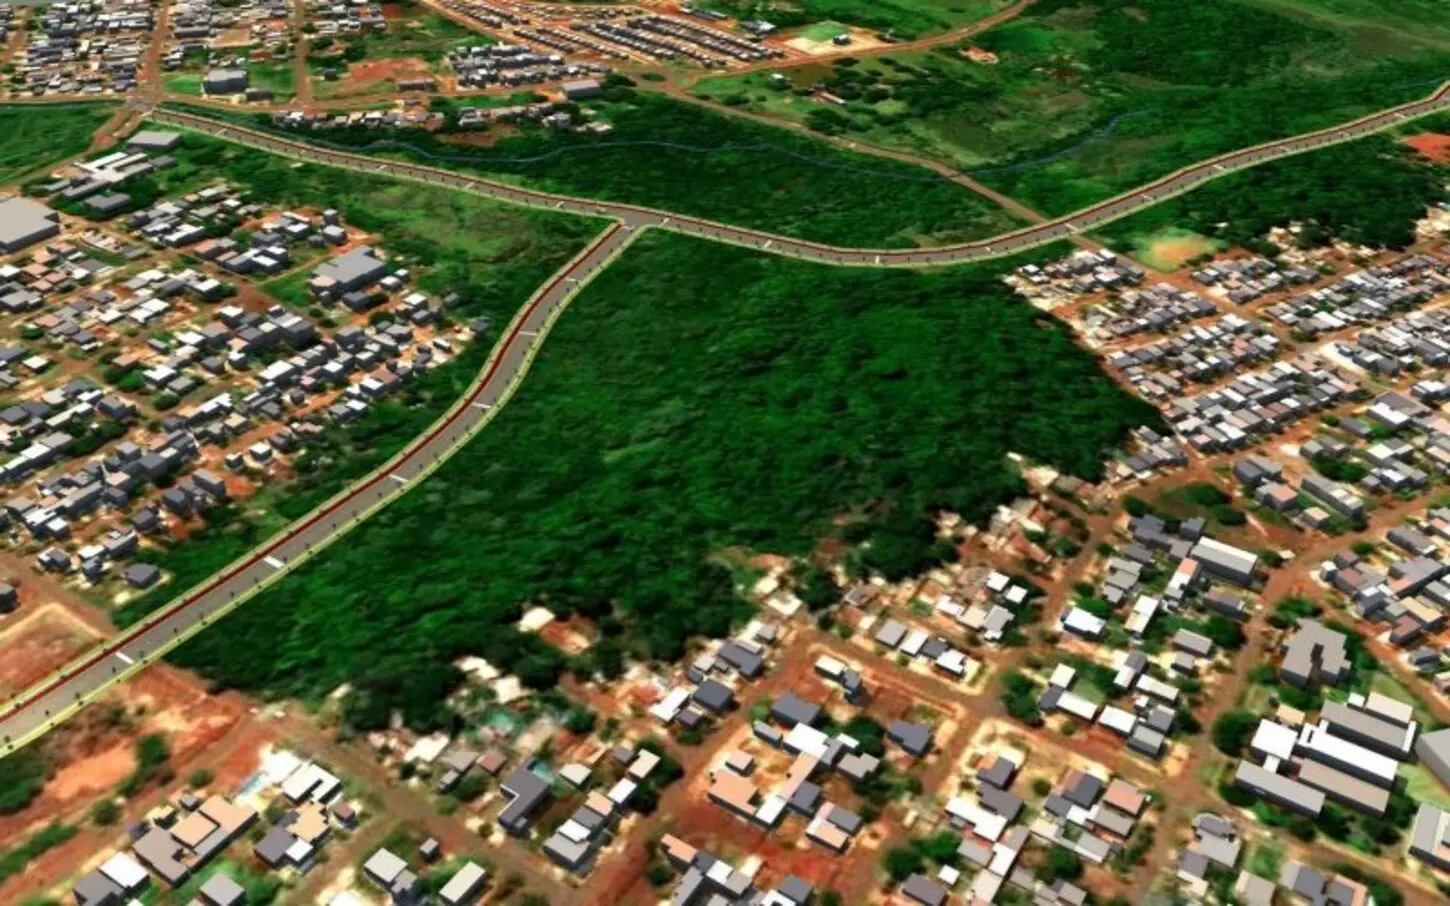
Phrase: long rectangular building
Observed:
(1278, 789)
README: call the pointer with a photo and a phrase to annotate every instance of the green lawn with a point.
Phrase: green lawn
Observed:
(1091, 97)
(677, 156)
(697, 403)
(183, 82)
(33, 138)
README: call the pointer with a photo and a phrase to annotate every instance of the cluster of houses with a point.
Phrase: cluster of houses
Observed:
(1242, 280)
(1259, 403)
(485, 65)
(182, 839)
(334, 19)
(991, 607)
(1373, 294)
(1404, 587)
(574, 843)
(706, 880)
(1082, 813)
(714, 678)
(263, 368)
(174, 843)
(1217, 846)
(84, 47)
(199, 26)
(1081, 273)
(1162, 370)
(390, 873)
(793, 728)
(1199, 569)
(686, 37)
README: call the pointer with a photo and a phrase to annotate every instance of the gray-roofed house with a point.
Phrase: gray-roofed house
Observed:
(95, 889)
(225, 81)
(526, 791)
(352, 270)
(924, 890)
(1314, 655)
(24, 222)
(790, 709)
(220, 890)
(1433, 750)
(891, 633)
(714, 696)
(1225, 560)
(915, 738)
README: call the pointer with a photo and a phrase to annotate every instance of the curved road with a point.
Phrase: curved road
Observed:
(1064, 227)
(38, 709)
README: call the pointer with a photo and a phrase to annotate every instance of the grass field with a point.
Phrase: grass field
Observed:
(1090, 97)
(32, 138)
(904, 19)
(698, 402)
(677, 156)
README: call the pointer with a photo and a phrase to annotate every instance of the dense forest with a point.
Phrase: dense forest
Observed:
(679, 157)
(697, 403)
(1370, 191)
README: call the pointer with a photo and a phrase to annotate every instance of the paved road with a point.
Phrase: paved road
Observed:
(1064, 227)
(37, 710)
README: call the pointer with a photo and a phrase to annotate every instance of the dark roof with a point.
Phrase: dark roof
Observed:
(924, 890)
(714, 696)
(790, 710)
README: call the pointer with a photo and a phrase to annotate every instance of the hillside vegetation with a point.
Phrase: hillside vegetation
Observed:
(697, 403)
(1088, 98)
(676, 156)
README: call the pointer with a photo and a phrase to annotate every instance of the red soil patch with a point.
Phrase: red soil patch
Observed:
(1433, 145)
(392, 10)
(38, 645)
(377, 70)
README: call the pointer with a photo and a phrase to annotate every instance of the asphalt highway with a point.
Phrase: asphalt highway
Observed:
(35, 711)
(51, 702)
(1177, 183)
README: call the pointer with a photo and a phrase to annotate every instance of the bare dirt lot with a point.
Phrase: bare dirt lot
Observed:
(37, 643)
(1433, 145)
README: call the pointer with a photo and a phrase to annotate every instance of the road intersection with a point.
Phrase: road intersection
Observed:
(35, 711)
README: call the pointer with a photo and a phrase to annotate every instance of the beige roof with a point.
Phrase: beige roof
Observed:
(311, 824)
(193, 829)
(227, 816)
(1124, 797)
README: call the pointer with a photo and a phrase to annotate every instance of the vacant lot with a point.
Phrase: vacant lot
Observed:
(698, 403)
(33, 137)
(1090, 97)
